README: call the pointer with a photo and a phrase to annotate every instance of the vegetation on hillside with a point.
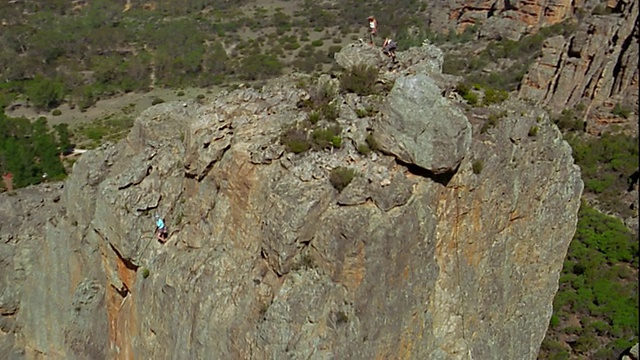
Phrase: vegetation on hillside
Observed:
(596, 307)
(30, 151)
(515, 58)
(606, 163)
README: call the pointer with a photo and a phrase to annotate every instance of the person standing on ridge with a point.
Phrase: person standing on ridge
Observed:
(373, 28)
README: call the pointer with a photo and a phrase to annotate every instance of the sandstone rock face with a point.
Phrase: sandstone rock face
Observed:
(267, 260)
(508, 19)
(598, 66)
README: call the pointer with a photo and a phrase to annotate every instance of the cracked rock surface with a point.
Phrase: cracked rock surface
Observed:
(267, 260)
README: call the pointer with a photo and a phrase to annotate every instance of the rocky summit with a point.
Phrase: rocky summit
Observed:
(447, 243)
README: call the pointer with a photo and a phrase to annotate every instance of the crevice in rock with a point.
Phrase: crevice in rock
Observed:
(122, 292)
(492, 10)
(136, 182)
(8, 311)
(442, 179)
(617, 68)
(127, 262)
(507, 5)
(633, 180)
(555, 83)
(206, 170)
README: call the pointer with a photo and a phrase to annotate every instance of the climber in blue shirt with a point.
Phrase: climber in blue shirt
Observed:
(161, 230)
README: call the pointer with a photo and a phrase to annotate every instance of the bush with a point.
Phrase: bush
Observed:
(372, 143)
(313, 117)
(363, 149)
(56, 112)
(492, 96)
(295, 140)
(329, 112)
(621, 111)
(477, 166)
(533, 131)
(492, 121)
(361, 79)
(324, 137)
(317, 43)
(145, 273)
(360, 113)
(569, 121)
(157, 101)
(180, 93)
(601, 9)
(340, 177)
(464, 90)
(45, 94)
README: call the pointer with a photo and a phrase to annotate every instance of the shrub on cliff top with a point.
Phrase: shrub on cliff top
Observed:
(295, 140)
(361, 79)
(341, 176)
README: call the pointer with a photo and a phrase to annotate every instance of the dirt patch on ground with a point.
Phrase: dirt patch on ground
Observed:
(132, 104)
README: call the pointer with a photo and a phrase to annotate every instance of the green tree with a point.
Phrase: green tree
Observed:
(28, 150)
(44, 93)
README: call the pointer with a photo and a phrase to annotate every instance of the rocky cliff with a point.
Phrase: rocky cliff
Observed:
(496, 18)
(447, 244)
(593, 69)
(596, 67)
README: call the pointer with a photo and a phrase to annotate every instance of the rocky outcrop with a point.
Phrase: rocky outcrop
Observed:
(500, 19)
(421, 126)
(267, 260)
(598, 66)
(631, 354)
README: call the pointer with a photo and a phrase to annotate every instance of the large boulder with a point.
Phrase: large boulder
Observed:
(421, 127)
(360, 54)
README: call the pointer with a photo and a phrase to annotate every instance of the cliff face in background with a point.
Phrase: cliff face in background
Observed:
(417, 258)
(497, 18)
(596, 67)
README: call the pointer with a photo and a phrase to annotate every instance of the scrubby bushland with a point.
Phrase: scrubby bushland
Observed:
(260, 66)
(110, 128)
(30, 151)
(606, 163)
(598, 284)
(599, 287)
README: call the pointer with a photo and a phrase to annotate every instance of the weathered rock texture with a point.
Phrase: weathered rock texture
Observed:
(495, 18)
(598, 66)
(266, 260)
(422, 127)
